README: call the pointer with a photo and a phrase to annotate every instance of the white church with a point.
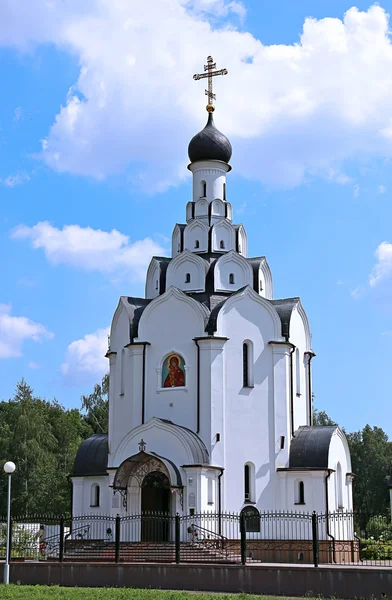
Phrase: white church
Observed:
(210, 394)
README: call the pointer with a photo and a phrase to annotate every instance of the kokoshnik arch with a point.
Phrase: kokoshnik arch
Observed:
(210, 397)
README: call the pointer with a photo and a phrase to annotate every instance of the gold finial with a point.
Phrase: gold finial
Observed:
(210, 73)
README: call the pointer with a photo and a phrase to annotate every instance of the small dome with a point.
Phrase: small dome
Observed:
(92, 456)
(209, 144)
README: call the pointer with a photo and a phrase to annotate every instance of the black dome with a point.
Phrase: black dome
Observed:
(209, 144)
(92, 456)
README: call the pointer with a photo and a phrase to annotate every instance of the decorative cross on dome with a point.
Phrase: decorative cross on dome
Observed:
(142, 445)
(210, 74)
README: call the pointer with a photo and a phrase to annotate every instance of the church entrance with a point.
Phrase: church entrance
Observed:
(155, 507)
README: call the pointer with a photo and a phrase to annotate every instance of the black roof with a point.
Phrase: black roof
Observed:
(309, 448)
(209, 144)
(284, 307)
(92, 456)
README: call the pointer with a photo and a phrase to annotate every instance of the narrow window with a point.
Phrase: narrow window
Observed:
(339, 485)
(261, 286)
(245, 371)
(231, 278)
(210, 491)
(222, 245)
(203, 189)
(122, 372)
(95, 493)
(197, 245)
(299, 492)
(224, 192)
(179, 247)
(156, 284)
(188, 278)
(298, 372)
(247, 483)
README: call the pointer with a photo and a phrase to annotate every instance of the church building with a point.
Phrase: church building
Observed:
(210, 389)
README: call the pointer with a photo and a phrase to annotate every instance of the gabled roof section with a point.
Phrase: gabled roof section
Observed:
(284, 307)
(134, 308)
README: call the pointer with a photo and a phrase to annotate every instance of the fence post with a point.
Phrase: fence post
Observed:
(243, 539)
(177, 537)
(117, 539)
(61, 544)
(315, 539)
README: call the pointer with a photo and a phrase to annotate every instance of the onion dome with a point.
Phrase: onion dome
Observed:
(209, 144)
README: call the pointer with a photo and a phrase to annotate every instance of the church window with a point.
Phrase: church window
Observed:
(300, 493)
(197, 244)
(298, 372)
(122, 372)
(95, 495)
(224, 192)
(249, 483)
(222, 245)
(231, 278)
(173, 371)
(156, 284)
(210, 491)
(247, 490)
(339, 485)
(261, 286)
(247, 364)
(188, 278)
(252, 518)
(203, 189)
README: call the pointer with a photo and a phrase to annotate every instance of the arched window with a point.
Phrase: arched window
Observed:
(245, 362)
(339, 486)
(298, 372)
(188, 278)
(203, 189)
(247, 483)
(224, 192)
(231, 278)
(156, 284)
(222, 245)
(299, 492)
(95, 495)
(197, 244)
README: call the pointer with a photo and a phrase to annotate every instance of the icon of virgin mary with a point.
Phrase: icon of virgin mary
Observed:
(175, 372)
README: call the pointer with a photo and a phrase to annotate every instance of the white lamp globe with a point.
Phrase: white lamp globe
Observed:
(9, 467)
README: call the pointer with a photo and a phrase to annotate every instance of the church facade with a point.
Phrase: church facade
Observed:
(210, 393)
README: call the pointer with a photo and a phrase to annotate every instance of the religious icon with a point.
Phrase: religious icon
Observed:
(173, 372)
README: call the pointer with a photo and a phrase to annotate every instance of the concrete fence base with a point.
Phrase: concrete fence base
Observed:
(286, 580)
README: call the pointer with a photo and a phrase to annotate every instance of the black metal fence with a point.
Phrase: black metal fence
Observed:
(238, 538)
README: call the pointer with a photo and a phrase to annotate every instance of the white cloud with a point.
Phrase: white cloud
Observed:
(292, 111)
(357, 292)
(356, 190)
(381, 189)
(13, 180)
(33, 365)
(85, 360)
(91, 249)
(383, 269)
(14, 331)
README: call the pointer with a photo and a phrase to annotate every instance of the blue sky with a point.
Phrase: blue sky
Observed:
(97, 108)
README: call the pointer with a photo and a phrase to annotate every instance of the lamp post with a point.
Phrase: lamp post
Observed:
(9, 468)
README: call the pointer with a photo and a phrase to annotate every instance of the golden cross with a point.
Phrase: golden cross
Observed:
(210, 73)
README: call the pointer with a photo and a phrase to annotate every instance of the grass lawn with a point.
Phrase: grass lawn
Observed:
(39, 592)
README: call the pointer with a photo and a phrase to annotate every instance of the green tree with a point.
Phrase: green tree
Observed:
(371, 457)
(96, 406)
(42, 438)
(320, 417)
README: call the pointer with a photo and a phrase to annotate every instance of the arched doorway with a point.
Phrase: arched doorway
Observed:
(155, 505)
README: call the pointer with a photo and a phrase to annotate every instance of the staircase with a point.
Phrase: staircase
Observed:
(152, 552)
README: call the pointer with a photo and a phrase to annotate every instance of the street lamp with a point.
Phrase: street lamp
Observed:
(9, 468)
